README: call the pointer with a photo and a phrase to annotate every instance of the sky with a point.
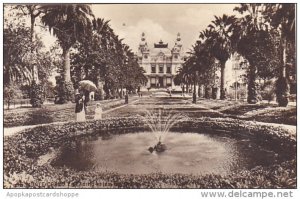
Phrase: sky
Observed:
(160, 21)
(157, 21)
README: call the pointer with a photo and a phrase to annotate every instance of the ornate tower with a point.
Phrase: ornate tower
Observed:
(143, 44)
(178, 41)
(176, 50)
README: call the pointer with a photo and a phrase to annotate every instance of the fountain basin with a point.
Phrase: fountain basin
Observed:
(22, 152)
(188, 153)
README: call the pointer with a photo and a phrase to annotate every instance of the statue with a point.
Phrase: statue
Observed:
(159, 147)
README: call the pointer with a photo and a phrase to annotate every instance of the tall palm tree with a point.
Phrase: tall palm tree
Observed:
(282, 18)
(251, 36)
(67, 22)
(218, 36)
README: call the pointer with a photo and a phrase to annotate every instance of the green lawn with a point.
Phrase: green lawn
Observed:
(52, 113)
(203, 108)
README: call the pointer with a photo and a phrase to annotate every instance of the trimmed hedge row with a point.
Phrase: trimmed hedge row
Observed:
(22, 151)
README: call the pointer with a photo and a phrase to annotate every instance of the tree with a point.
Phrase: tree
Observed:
(19, 59)
(255, 42)
(282, 19)
(68, 23)
(16, 47)
(198, 68)
(33, 11)
(218, 36)
(101, 56)
(11, 92)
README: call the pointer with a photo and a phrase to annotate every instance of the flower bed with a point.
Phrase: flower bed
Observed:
(22, 151)
(280, 115)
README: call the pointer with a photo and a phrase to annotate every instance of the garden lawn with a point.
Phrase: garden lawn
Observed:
(53, 113)
(204, 108)
(212, 108)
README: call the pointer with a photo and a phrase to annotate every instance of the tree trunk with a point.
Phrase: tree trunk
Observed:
(282, 86)
(252, 93)
(222, 90)
(121, 94)
(187, 88)
(106, 90)
(199, 90)
(207, 92)
(67, 70)
(34, 67)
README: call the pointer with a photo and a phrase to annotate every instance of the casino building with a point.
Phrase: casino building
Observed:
(160, 62)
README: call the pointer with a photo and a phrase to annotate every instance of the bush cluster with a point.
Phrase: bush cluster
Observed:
(36, 95)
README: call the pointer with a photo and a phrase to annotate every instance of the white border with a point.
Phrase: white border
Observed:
(124, 193)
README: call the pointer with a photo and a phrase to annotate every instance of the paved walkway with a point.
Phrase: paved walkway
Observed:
(13, 130)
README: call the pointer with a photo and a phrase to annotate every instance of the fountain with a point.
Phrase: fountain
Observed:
(110, 153)
(160, 123)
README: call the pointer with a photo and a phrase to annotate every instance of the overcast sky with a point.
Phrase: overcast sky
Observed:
(160, 21)
(157, 21)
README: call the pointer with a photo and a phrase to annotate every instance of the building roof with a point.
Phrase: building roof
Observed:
(160, 44)
(162, 51)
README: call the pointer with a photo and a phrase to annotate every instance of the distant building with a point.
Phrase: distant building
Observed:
(160, 62)
(236, 80)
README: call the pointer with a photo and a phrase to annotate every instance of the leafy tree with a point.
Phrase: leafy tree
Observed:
(22, 52)
(200, 62)
(257, 43)
(101, 56)
(16, 47)
(218, 36)
(282, 19)
(33, 11)
(68, 23)
(11, 92)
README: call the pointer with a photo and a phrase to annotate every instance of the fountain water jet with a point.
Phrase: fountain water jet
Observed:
(160, 123)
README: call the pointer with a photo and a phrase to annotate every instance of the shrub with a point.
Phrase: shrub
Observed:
(36, 95)
(99, 94)
(65, 91)
(10, 93)
(267, 91)
(282, 91)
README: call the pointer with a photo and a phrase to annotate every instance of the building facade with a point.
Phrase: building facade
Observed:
(160, 62)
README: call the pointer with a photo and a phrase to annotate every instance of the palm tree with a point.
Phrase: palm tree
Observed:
(218, 36)
(67, 22)
(253, 40)
(282, 18)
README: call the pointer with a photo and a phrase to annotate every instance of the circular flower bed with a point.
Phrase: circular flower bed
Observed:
(21, 153)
